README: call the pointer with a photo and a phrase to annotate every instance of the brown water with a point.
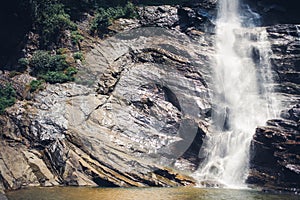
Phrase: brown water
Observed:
(75, 193)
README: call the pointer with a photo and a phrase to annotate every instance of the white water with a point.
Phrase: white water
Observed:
(243, 98)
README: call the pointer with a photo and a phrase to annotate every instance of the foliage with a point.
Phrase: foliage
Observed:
(76, 37)
(100, 22)
(42, 62)
(51, 20)
(51, 68)
(13, 73)
(36, 85)
(131, 11)
(7, 97)
(70, 71)
(162, 2)
(104, 17)
(23, 62)
(78, 55)
(56, 77)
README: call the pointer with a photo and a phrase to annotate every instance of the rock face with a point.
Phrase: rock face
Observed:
(285, 41)
(135, 116)
(275, 148)
(274, 12)
(275, 161)
(140, 108)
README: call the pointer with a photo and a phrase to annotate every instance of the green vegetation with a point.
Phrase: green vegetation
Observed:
(36, 85)
(51, 20)
(13, 73)
(78, 56)
(7, 97)
(42, 62)
(56, 77)
(162, 2)
(23, 62)
(76, 37)
(105, 16)
(52, 17)
(51, 68)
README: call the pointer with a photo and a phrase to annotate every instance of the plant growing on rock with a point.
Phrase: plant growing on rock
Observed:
(56, 77)
(36, 85)
(51, 20)
(104, 17)
(23, 62)
(51, 68)
(76, 37)
(42, 62)
(7, 97)
(78, 56)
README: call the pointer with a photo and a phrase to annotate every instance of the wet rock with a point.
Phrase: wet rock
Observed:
(201, 18)
(275, 11)
(285, 60)
(275, 162)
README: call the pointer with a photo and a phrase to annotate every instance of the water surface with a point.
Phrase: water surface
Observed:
(75, 193)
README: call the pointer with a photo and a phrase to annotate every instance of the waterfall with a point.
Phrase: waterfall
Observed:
(243, 97)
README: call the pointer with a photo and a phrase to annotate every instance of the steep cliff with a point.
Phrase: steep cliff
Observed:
(275, 161)
(135, 116)
(140, 108)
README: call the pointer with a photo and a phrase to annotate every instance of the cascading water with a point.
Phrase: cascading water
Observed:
(242, 100)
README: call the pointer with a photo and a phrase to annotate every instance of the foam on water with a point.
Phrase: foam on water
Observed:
(243, 97)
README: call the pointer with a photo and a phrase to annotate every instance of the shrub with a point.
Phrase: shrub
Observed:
(51, 68)
(23, 62)
(100, 22)
(58, 63)
(78, 55)
(36, 85)
(130, 11)
(104, 17)
(51, 20)
(42, 62)
(7, 97)
(71, 71)
(56, 77)
(76, 37)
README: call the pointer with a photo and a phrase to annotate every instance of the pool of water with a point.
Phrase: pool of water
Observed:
(184, 193)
